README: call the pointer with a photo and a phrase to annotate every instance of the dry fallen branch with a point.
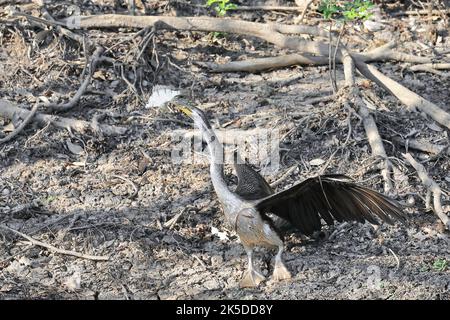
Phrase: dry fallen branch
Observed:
(423, 146)
(55, 249)
(397, 260)
(270, 32)
(411, 99)
(195, 24)
(420, 12)
(74, 100)
(260, 64)
(275, 34)
(284, 176)
(427, 66)
(22, 125)
(302, 15)
(382, 53)
(432, 68)
(173, 221)
(376, 144)
(369, 123)
(9, 109)
(432, 187)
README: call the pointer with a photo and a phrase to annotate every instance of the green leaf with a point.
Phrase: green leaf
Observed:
(348, 10)
(221, 6)
(211, 2)
(440, 265)
(231, 6)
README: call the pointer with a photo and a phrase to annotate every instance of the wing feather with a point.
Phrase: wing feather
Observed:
(251, 185)
(331, 198)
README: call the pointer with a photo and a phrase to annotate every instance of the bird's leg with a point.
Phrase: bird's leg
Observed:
(252, 277)
(280, 272)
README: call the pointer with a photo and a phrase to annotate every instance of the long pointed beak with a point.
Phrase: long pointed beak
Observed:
(185, 110)
(182, 108)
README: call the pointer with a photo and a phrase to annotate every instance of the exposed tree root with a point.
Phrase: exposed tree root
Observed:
(9, 109)
(376, 143)
(382, 53)
(50, 21)
(424, 146)
(432, 187)
(261, 64)
(276, 34)
(411, 99)
(421, 12)
(24, 123)
(74, 100)
(195, 24)
(370, 126)
(428, 66)
(432, 68)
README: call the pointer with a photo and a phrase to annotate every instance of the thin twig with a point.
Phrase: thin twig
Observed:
(284, 176)
(342, 147)
(424, 146)
(395, 256)
(302, 15)
(55, 249)
(330, 65)
(24, 123)
(9, 110)
(336, 47)
(133, 185)
(433, 188)
(171, 223)
(64, 31)
(74, 100)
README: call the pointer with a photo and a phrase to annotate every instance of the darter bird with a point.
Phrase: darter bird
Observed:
(258, 214)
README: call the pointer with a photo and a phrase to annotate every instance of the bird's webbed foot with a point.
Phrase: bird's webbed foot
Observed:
(252, 278)
(281, 272)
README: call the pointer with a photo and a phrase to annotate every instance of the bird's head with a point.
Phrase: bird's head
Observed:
(199, 117)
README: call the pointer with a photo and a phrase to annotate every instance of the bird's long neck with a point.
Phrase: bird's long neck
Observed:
(228, 199)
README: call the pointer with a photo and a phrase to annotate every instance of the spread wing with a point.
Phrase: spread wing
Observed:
(331, 198)
(251, 185)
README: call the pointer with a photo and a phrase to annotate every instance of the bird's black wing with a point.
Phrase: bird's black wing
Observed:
(330, 197)
(251, 185)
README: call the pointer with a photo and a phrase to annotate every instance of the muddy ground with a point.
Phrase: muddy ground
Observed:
(68, 189)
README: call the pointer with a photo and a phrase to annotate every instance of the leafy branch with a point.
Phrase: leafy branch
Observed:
(344, 11)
